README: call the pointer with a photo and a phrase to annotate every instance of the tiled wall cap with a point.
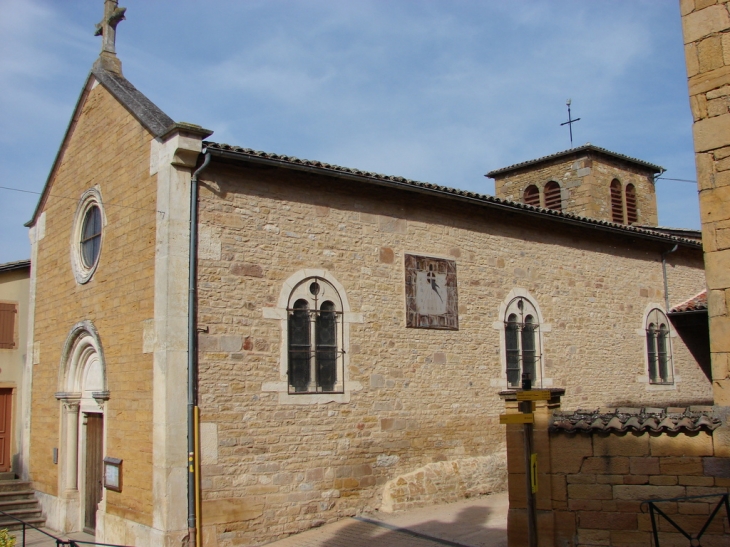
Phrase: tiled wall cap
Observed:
(636, 419)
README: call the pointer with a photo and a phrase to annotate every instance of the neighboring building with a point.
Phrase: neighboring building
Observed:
(14, 290)
(706, 28)
(349, 335)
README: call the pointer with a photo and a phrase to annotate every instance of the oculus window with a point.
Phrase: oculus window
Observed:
(87, 235)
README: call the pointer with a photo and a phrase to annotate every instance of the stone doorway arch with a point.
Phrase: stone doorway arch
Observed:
(82, 393)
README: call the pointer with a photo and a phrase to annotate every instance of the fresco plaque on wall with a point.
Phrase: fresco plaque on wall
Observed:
(431, 299)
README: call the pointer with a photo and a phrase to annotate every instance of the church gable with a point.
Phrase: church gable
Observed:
(94, 261)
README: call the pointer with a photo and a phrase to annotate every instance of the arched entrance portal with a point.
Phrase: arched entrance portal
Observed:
(83, 393)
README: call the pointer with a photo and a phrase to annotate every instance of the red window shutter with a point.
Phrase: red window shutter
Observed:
(532, 196)
(7, 325)
(632, 215)
(552, 196)
(617, 206)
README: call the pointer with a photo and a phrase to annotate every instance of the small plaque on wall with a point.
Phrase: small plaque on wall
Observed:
(431, 298)
(113, 474)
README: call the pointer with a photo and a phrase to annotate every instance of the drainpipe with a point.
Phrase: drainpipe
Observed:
(664, 271)
(193, 355)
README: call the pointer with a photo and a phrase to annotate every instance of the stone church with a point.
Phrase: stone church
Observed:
(231, 346)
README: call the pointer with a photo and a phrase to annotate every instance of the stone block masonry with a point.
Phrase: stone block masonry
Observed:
(585, 180)
(593, 480)
(107, 147)
(706, 28)
(425, 412)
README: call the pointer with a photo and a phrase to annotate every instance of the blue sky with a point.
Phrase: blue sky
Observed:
(437, 91)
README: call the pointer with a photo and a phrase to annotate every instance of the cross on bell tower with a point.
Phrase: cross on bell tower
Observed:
(107, 29)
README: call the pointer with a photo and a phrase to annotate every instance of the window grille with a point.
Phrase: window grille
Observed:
(658, 348)
(632, 215)
(553, 199)
(617, 205)
(522, 341)
(532, 196)
(8, 311)
(315, 339)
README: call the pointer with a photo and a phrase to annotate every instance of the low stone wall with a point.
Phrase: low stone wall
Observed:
(599, 480)
(443, 482)
(596, 469)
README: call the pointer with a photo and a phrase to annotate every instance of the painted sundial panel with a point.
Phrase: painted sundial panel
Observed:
(431, 296)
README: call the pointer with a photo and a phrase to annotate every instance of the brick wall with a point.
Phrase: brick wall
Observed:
(107, 147)
(585, 181)
(427, 396)
(591, 485)
(706, 28)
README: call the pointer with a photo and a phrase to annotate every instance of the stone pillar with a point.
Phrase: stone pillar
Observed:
(706, 29)
(517, 516)
(69, 502)
(71, 412)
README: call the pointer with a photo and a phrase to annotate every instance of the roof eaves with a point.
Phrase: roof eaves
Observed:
(290, 162)
(17, 265)
(576, 150)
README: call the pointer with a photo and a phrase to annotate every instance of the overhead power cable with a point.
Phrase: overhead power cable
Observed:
(105, 204)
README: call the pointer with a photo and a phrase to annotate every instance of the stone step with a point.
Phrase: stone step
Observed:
(7, 476)
(17, 495)
(11, 524)
(7, 505)
(15, 484)
(18, 500)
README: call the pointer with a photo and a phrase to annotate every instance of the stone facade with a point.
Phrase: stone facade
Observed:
(706, 27)
(422, 396)
(585, 175)
(107, 148)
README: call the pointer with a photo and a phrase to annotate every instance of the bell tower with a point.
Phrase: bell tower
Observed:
(588, 181)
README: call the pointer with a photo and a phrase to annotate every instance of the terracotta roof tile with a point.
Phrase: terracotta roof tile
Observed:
(336, 170)
(697, 303)
(671, 419)
(577, 149)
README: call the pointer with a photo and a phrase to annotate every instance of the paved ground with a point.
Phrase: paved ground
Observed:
(34, 538)
(480, 522)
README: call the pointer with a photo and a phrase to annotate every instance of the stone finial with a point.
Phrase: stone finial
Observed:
(107, 29)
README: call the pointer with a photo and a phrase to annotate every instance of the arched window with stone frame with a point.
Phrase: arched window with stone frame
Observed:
(315, 344)
(315, 320)
(659, 348)
(522, 342)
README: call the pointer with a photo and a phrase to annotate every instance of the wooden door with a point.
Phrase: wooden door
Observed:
(94, 469)
(6, 408)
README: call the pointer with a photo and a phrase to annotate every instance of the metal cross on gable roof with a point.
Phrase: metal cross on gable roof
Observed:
(107, 27)
(570, 122)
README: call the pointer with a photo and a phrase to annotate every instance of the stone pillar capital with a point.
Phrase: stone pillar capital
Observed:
(71, 401)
